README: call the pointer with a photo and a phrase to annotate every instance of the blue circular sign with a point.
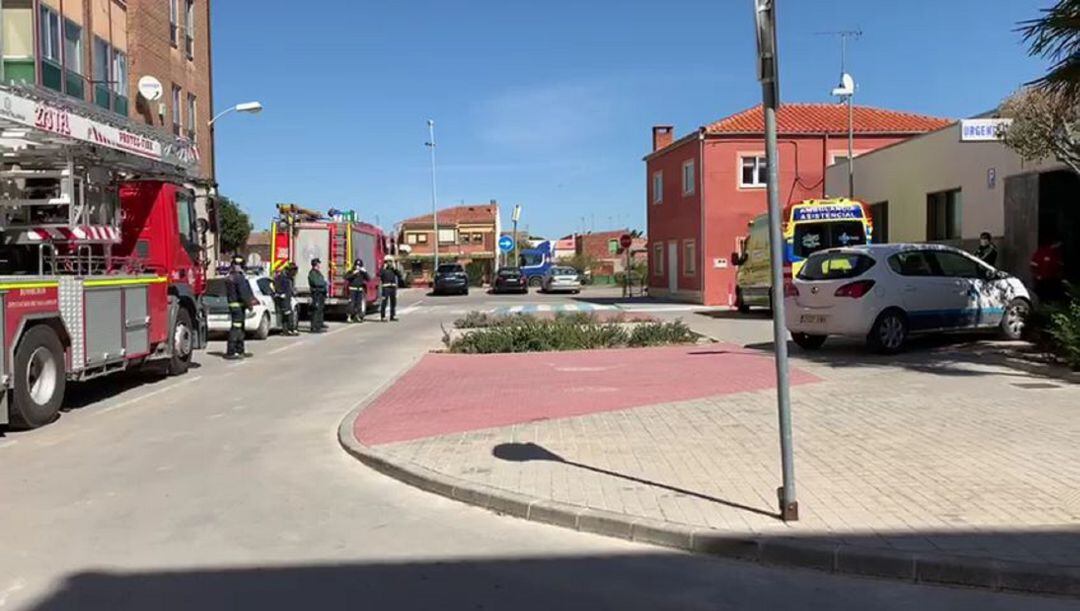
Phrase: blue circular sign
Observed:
(506, 243)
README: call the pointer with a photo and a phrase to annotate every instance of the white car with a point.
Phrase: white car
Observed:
(561, 279)
(886, 292)
(259, 321)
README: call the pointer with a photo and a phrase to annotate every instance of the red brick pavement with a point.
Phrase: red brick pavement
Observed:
(446, 393)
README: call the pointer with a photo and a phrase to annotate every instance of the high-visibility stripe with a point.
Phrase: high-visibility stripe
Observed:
(28, 285)
(124, 281)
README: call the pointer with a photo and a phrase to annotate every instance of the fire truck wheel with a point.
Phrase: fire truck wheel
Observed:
(182, 342)
(39, 378)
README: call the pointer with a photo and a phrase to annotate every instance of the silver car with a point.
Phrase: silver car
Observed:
(561, 279)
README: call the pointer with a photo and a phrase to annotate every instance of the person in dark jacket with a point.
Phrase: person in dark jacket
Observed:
(240, 299)
(986, 251)
(357, 278)
(389, 279)
(317, 285)
(284, 291)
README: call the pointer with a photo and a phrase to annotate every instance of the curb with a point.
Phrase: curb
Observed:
(915, 567)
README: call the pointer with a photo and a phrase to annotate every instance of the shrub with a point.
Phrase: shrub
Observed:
(661, 334)
(473, 320)
(568, 332)
(1063, 329)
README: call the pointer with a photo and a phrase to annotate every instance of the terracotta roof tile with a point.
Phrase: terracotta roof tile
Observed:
(828, 118)
(482, 213)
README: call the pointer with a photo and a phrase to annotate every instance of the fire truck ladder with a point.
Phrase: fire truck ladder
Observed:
(60, 162)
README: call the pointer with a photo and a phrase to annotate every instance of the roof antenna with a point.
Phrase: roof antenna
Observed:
(846, 91)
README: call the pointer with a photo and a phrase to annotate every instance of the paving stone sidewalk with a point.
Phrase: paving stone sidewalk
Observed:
(936, 455)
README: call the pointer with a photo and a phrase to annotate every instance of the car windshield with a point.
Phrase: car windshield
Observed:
(835, 266)
(812, 237)
(528, 259)
(565, 271)
(509, 273)
(450, 269)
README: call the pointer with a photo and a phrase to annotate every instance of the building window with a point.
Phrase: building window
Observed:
(189, 29)
(120, 82)
(100, 74)
(50, 34)
(74, 84)
(192, 107)
(174, 21)
(177, 118)
(657, 187)
(689, 263)
(879, 214)
(943, 215)
(478, 238)
(613, 246)
(421, 238)
(465, 238)
(447, 236)
(658, 259)
(688, 177)
(754, 171)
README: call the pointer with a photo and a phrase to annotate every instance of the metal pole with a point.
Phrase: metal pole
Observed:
(770, 88)
(515, 244)
(850, 148)
(434, 198)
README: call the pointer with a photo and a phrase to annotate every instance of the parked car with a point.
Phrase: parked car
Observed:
(510, 280)
(451, 278)
(886, 292)
(561, 279)
(259, 321)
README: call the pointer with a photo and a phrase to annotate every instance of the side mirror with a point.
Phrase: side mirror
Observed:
(202, 226)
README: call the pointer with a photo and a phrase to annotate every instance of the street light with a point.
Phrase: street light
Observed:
(252, 107)
(248, 107)
(434, 197)
(769, 75)
(846, 91)
(515, 217)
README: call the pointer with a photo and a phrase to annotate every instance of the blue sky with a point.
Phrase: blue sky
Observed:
(550, 104)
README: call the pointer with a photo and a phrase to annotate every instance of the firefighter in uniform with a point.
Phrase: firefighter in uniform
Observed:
(240, 299)
(284, 289)
(389, 278)
(319, 289)
(357, 279)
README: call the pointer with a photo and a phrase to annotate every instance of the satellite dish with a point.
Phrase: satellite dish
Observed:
(150, 88)
(846, 87)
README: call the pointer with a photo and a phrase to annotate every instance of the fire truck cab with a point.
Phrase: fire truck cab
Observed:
(102, 262)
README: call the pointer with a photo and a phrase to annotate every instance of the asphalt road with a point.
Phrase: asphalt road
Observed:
(226, 489)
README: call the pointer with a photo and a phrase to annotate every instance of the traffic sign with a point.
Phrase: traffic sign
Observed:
(625, 240)
(506, 243)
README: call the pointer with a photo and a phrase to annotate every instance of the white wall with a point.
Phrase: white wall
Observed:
(903, 175)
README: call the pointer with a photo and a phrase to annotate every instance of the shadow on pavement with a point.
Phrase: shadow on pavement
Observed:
(942, 354)
(524, 452)
(627, 581)
(736, 315)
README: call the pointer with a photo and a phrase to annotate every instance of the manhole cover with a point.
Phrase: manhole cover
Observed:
(1035, 385)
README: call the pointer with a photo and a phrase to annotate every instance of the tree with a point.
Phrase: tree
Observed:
(1056, 36)
(1046, 124)
(235, 225)
(582, 262)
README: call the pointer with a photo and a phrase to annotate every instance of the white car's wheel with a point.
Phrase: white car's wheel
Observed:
(1015, 318)
(889, 332)
(263, 331)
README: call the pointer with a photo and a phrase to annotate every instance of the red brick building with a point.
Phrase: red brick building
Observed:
(603, 246)
(466, 234)
(703, 189)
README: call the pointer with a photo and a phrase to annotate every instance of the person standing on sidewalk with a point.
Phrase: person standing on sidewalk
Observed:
(389, 279)
(240, 298)
(987, 252)
(284, 290)
(317, 285)
(358, 279)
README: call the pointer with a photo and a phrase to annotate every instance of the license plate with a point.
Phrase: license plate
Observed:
(813, 319)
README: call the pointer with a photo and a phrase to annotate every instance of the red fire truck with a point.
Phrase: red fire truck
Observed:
(101, 252)
(299, 235)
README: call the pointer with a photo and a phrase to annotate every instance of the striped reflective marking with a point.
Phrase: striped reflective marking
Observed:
(10, 286)
(124, 281)
(534, 308)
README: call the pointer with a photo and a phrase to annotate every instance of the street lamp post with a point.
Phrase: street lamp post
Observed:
(434, 197)
(253, 107)
(769, 75)
(515, 217)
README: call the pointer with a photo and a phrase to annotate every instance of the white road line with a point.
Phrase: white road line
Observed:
(151, 394)
(286, 347)
(8, 443)
(543, 308)
(516, 309)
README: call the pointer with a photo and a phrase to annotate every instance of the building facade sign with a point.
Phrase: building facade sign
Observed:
(983, 130)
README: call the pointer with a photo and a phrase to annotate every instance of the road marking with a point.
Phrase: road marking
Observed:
(15, 586)
(151, 394)
(294, 344)
(410, 308)
(8, 443)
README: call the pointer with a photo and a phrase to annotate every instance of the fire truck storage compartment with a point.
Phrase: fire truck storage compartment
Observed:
(363, 247)
(311, 242)
(116, 323)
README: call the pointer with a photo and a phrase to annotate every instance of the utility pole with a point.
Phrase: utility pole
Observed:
(434, 198)
(769, 75)
(846, 91)
(515, 217)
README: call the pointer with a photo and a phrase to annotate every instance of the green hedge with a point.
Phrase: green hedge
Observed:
(565, 332)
